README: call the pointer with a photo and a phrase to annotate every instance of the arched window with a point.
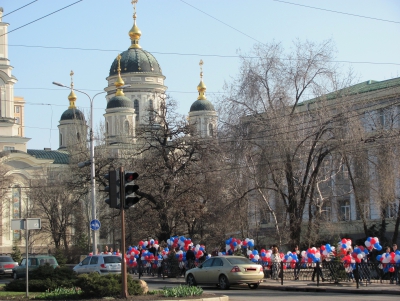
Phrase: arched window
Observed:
(78, 136)
(136, 107)
(211, 130)
(151, 110)
(126, 127)
(106, 127)
(61, 142)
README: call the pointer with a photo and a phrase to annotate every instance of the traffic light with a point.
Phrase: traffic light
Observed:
(130, 188)
(113, 188)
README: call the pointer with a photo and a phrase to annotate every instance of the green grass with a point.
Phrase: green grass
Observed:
(182, 291)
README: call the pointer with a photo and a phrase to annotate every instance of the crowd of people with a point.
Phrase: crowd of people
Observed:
(176, 266)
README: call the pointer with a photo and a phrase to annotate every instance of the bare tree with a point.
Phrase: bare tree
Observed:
(288, 138)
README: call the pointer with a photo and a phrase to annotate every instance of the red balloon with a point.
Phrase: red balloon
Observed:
(322, 247)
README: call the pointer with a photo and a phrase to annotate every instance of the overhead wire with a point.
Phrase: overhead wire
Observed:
(338, 12)
(202, 55)
(19, 8)
(42, 17)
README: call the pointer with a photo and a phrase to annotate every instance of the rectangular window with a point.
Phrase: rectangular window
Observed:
(365, 211)
(344, 210)
(392, 210)
(16, 109)
(326, 213)
(17, 120)
(8, 148)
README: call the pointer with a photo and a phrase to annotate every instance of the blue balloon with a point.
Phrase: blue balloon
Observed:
(255, 252)
(344, 246)
(379, 247)
(250, 244)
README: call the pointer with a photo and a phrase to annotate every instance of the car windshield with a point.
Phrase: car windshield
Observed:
(6, 259)
(239, 260)
(112, 259)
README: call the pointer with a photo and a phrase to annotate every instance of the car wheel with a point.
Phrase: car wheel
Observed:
(190, 280)
(14, 275)
(223, 282)
(253, 285)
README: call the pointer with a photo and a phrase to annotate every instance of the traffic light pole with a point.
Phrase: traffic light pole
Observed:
(124, 290)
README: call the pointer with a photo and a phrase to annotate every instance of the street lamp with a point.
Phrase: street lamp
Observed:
(92, 165)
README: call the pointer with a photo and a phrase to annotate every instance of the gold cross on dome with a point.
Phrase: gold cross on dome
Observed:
(134, 4)
(72, 79)
(201, 68)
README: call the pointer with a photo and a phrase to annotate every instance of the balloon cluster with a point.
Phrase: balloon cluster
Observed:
(359, 253)
(373, 243)
(290, 258)
(253, 255)
(149, 242)
(344, 245)
(311, 255)
(392, 257)
(180, 242)
(232, 244)
(327, 249)
(266, 255)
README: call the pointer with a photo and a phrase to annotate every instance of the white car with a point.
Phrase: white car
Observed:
(101, 264)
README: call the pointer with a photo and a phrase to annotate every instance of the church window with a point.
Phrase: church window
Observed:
(17, 120)
(151, 111)
(78, 136)
(136, 107)
(16, 109)
(127, 130)
(61, 140)
(211, 130)
(106, 127)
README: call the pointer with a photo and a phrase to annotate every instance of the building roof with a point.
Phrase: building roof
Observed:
(119, 102)
(364, 87)
(136, 60)
(59, 157)
(72, 114)
(202, 105)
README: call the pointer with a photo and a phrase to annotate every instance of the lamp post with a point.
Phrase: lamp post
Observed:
(92, 165)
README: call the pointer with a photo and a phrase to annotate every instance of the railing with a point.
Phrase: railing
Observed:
(163, 268)
(334, 272)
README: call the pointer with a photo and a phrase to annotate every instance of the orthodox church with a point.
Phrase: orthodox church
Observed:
(135, 91)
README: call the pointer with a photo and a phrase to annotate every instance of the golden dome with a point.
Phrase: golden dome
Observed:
(72, 97)
(201, 87)
(135, 32)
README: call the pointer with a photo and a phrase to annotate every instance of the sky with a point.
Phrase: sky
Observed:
(87, 35)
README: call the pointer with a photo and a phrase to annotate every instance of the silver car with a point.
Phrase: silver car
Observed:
(226, 270)
(101, 264)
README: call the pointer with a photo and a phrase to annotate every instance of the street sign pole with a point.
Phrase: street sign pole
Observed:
(26, 224)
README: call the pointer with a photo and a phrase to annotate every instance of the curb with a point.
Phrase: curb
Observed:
(221, 298)
(296, 288)
(329, 290)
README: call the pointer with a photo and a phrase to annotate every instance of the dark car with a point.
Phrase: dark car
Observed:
(6, 265)
(34, 262)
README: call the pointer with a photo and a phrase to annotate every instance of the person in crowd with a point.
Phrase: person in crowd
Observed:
(106, 250)
(215, 252)
(160, 261)
(296, 269)
(190, 257)
(153, 250)
(349, 269)
(395, 276)
(276, 259)
(139, 261)
(110, 251)
(204, 257)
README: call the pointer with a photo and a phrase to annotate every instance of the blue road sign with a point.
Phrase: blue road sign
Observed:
(95, 224)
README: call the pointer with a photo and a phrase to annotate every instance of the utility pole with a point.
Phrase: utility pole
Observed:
(124, 292)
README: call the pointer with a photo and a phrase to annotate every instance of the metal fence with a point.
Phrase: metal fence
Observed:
(163, 268)
(334, 272)
(362, 274)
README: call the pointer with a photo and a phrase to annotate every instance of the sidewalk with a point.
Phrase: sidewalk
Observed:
(300, 286)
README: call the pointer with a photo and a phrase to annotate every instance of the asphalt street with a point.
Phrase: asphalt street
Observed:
(244, 293)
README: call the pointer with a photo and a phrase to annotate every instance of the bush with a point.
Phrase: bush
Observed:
(34, 285)
(61, 294)
(97, 286)
(43, 278)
